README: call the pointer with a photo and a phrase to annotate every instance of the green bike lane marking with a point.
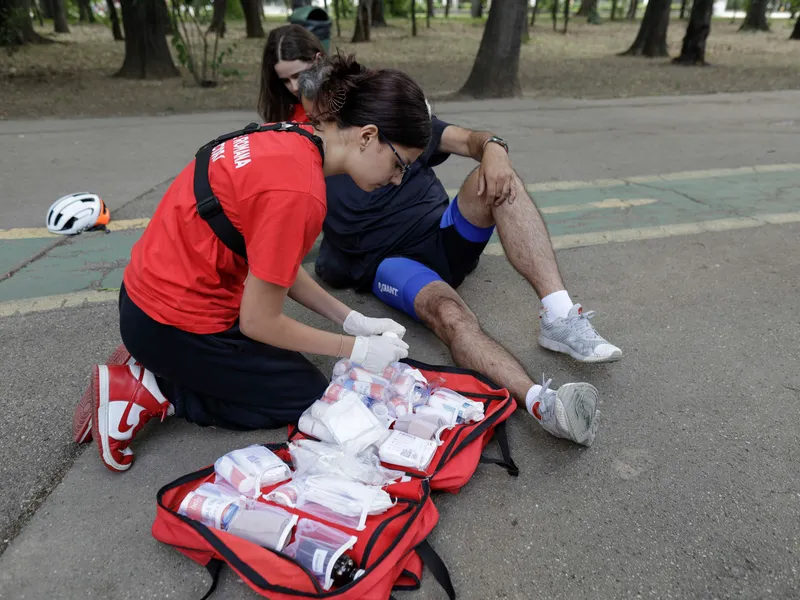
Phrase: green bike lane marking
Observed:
(96, 260)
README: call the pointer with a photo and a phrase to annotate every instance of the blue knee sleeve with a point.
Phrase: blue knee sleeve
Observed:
(468, 231)
(399, 280)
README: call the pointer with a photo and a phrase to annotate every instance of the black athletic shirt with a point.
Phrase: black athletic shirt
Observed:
(362, 228)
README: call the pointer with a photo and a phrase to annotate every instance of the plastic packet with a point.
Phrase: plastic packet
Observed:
(211, 506)
(342, 501)
(352, 425)
(425, 426)
(286, 494)
(310, 458)
(265, 525)
(250, 469)
(321, 549)
(449, 417)
(407, 450)
(467, 411)
(314, 427)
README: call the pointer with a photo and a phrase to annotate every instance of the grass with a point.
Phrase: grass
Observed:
(73, 77)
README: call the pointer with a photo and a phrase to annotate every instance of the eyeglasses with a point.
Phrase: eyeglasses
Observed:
(404, 166)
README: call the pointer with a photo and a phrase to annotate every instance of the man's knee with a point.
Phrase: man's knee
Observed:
(441, 308)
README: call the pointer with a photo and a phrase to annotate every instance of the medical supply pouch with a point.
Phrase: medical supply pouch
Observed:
(389, 552)
(461, 445)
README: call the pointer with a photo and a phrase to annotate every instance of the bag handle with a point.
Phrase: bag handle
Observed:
(437, 567)
(214, 568)
(501, 435)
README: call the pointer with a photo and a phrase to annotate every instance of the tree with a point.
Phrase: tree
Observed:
(682, 16)
(652, 38)
(756, 17)
(585, 9)
(147, 54)
(112, 14)
(566, 16)
(447, 9)
(46, 8)
(16, 27)
(252, 18)
(85, 12)
(476, 10)
(632, 10)
(430, 15)
(693, 50)
(378, 14)
(361, 33)
(218, 18)
(413, 18)
(495, 73)
(336, 18)
(59, 16)
(796, 31)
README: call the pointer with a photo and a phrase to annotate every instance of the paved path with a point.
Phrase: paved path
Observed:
(676, 220)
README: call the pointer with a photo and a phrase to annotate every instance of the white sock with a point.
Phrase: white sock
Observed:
(530, 397)
(557, 305)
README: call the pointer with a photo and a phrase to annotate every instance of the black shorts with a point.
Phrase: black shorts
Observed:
(223, 379)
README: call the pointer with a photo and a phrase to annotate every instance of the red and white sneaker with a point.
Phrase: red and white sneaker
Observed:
(82, 417)
(124, 398)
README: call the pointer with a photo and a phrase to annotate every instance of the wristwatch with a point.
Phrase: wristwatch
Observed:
(496, 140)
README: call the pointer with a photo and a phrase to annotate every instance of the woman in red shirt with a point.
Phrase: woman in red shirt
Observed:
(289, 51)
(209, 338)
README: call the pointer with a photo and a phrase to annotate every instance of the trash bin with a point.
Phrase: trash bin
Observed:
(317, 21)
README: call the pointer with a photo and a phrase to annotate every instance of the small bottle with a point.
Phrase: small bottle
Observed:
(344, 571)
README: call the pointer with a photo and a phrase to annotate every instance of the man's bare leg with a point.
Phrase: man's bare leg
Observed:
(570, 412)
(527, 244)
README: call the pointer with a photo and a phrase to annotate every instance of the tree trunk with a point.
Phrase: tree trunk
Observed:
(16, 26)
(60, 17)
(46, 6)
(614, 4)
(378, 14)
(447, 9)
(361, 34)
(632, 10)
(413, 18)
(534, 10)
(431, 13)
(495, 73)
(566, 15)
(166, 17)
(112, 13)
(218, 17)
(796, 31)
(85, 13)
(652, 38)
(555, 14)
(252, 18)
(693, 51)
(756, 17)
(336, 18)
(585, 8)
(682, 16)
(146, 51)
(476, 10)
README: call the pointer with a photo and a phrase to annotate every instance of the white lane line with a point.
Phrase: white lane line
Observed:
(24, 233)
(41, 232)
(83, 298)
(595, 238)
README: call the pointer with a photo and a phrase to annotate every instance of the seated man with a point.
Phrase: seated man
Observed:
(412, 248)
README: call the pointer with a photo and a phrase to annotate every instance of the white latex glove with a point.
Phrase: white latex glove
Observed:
(358, 324)
(375, 352)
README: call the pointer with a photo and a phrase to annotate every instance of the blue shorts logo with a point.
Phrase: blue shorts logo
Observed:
(387, 289)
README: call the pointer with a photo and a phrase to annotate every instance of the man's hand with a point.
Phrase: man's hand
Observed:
(357, 324)
(496, 177)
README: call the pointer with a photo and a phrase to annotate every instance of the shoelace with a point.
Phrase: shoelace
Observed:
(583, 326)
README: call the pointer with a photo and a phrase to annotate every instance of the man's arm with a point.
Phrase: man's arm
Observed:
(496, 175)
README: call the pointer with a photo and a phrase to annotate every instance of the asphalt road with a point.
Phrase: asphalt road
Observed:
(691, 489)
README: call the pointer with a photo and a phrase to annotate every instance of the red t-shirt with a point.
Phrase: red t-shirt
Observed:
(272, 188)
(298, 114)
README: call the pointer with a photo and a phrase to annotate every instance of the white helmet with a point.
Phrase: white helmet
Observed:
(75, 213)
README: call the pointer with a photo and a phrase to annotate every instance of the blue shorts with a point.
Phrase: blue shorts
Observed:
(449, 255)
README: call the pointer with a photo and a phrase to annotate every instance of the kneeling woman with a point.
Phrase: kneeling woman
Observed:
(206, 329)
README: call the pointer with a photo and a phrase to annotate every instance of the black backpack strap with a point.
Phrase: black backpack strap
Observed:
(214, 567)
(208, 206)
(437, 567)
(501, 435)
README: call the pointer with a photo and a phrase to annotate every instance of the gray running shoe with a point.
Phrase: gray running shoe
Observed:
(576, 336)
(569, 412)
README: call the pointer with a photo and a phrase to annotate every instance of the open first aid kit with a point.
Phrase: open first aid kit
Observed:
(344, 507)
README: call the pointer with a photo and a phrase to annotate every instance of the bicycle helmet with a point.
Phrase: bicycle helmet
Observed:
(76, 213)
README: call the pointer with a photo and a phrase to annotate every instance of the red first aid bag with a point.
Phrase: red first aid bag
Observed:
(390, 551)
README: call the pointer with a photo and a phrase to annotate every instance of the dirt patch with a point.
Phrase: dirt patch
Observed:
(73, 78)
